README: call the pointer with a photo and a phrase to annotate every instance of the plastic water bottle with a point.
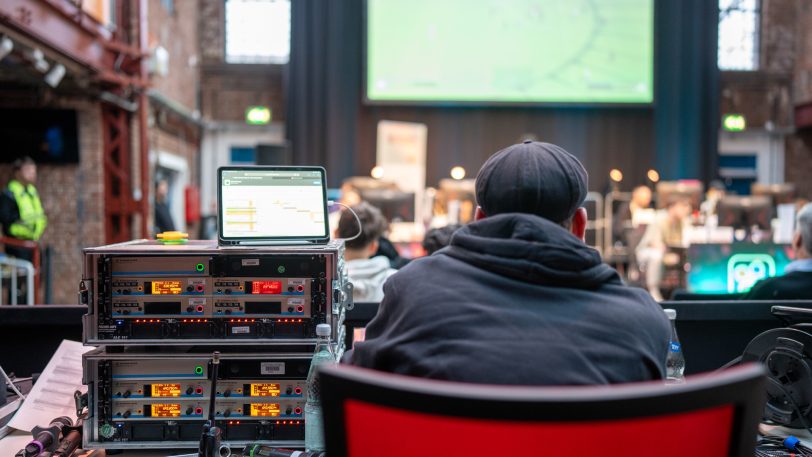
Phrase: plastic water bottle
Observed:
(675, 361)
(324, 354)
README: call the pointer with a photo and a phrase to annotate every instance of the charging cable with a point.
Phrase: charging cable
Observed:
(360, 228)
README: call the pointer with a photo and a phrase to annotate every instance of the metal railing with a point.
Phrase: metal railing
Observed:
(10, 268)
(33, 246)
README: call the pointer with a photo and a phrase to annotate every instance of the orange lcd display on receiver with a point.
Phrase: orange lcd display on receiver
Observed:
(165, 410)
(166, 288)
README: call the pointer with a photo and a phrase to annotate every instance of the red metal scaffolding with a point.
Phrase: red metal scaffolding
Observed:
(114, 61)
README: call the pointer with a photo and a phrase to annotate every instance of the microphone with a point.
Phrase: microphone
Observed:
(45, 438)
(69, 443)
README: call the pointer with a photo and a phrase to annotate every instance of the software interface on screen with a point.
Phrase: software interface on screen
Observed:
(734, 268)
(272, 204)
(575, 51)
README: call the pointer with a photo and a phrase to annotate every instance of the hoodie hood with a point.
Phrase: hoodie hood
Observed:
(531, 249)
(368, 268)
(367, 277)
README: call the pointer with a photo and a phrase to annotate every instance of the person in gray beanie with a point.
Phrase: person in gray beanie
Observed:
(517, 297)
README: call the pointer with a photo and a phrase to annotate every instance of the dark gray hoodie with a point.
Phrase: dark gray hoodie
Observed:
(515, 299)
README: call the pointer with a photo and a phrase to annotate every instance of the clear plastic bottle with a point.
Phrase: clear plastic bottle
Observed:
(675, 361)
(324, 354)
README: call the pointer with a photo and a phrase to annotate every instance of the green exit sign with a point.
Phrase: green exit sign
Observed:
(734, 122)
(257, 115)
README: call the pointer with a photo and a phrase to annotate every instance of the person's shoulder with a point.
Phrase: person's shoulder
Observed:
(423, 266)
(765, 289)
(634, 299)
(626, 292)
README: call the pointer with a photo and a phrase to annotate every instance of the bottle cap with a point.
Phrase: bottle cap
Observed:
(323, 330)
(671, 313)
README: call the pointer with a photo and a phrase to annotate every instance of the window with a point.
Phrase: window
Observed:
(257, 31)
(738, 34)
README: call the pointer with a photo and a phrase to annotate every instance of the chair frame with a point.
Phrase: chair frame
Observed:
(540, 404)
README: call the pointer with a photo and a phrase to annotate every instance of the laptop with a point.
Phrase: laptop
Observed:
(271, 205)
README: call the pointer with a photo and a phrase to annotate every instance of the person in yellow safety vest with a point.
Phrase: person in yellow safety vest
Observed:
(21, 212)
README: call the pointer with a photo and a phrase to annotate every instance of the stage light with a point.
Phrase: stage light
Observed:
(377, 172)
(458, 173)
(653, 176)
(54, 77)
(38, 59)
(158, 62)
(616, 175)
(6, 46)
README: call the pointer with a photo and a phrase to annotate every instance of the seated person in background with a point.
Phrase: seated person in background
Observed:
(716, 190)
(367, 273)
(438, 238)
(387, 249)
(517, 297)
(625, 216)
(665, 232)
(796, 283)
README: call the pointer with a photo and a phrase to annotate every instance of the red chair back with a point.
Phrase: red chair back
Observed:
(369, 413)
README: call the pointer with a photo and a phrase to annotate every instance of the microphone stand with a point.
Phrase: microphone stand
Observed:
(211, 440)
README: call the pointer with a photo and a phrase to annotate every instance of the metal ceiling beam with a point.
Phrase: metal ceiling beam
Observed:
(65, 28)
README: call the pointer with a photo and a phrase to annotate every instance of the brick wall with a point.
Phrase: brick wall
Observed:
(169, 131)
(767, 97)
(798, 159)
(228, 89)
(798, 163)
(72, 196)
(177, 32)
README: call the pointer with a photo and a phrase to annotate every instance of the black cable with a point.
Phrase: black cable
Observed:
(733, 362)
(773, 446)
(795, 406)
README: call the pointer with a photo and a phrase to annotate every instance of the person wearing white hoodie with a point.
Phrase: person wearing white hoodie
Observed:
(367, 273)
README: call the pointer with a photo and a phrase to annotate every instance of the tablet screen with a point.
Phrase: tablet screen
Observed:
(272, 203)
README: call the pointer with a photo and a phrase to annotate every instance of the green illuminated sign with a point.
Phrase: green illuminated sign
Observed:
(745, 270)
(257, 115)
(734, 122)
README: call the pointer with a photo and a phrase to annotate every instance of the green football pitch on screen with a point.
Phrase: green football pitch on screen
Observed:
(516, 51)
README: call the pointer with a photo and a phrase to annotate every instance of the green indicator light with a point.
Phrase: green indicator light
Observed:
(257, 115)
(200, 267)
(734, 122)
(198, 369)
(281, 269)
